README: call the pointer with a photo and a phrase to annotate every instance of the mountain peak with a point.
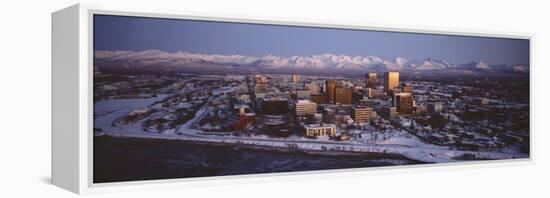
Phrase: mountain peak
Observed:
(476, 64)
(326, 62)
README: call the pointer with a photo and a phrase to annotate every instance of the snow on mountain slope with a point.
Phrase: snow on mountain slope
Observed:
(475, 65)
(431, 64)
(324, 62)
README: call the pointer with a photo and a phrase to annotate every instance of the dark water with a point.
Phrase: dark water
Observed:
(131, 159)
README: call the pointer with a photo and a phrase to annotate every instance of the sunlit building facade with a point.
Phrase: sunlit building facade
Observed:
(391, 80)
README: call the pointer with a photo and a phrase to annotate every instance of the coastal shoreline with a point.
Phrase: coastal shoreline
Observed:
(373, 155)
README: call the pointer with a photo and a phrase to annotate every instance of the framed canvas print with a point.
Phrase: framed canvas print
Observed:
(150, 97)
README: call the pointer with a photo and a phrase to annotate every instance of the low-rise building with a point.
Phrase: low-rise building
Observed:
(391, 112)
(419, 110)
(318, 116)
(484, 101)
(305, 107)
(315, 130)
(244, 98)
(244, 119)
(362, 114)
(435, 107)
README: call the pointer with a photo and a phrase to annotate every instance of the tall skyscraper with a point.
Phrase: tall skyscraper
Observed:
(403, 102)
(330, 85)
(391, 80)
(295, 78)
(342, 95)
(371, 80)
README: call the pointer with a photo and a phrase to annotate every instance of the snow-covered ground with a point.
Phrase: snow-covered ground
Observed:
(107, 111)
(397, 142)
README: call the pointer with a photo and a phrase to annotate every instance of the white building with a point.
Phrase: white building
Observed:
(435, 107)
(318, 116)
(314, 130)
(484, 101)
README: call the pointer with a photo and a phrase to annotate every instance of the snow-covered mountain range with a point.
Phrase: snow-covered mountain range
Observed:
(184, 61)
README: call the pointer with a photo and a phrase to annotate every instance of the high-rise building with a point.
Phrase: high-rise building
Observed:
(342, 95)
(371, 80)
(391, 81)
(295, 78)
(407, 88)
(403, 102)
(319, 98)
(330, 85)
(274, 105)
(306, 107)
(362, 114)
(313, 87)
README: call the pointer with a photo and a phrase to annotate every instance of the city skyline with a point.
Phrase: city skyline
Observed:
(195, 99)
(169, 35)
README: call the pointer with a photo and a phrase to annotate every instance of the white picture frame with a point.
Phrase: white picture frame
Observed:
(72, 102)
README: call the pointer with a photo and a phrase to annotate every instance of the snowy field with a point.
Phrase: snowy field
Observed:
(396, 142)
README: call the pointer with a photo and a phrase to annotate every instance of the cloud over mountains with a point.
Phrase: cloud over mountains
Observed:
(184, 61)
